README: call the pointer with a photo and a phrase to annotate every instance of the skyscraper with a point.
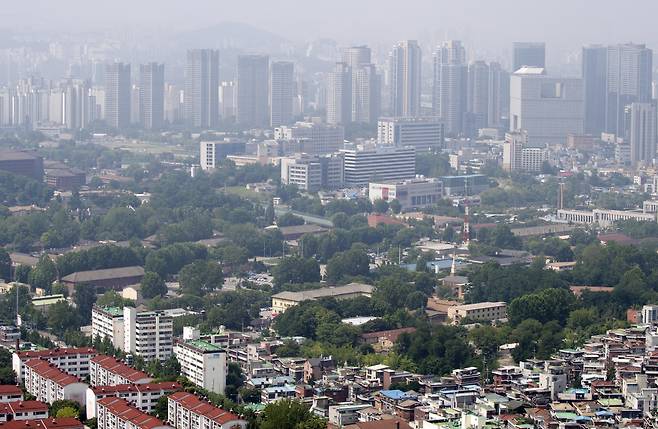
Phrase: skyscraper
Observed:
(117, 95)
(450, 85)
(498, 95)
(201, 96)
(643, 132)
(252, 99)
(356, 56)
(548, 108)
(339, 95)
(366, 84)
(405, 78)
(628, 81)
(282, 92)
(528, 54)
(151, 95)
(366, 94)
(477, 101)
(594, 74)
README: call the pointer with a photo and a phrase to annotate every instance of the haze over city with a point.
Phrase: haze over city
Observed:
(420, 214)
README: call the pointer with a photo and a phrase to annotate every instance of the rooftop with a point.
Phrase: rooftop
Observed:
(126, 412)
(107, 274)
(203, 346)
(49, 371)
(117, 367)
(197, 406)
(325, 292)
(48, 423)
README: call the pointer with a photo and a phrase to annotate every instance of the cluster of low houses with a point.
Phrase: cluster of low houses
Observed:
(609, 382)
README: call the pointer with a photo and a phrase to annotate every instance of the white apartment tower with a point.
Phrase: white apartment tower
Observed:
(117, 95)
(148, 334)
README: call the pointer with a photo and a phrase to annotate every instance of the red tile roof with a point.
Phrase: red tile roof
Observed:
(58, 352)
(10, 389)
(197, 406)
(51, 372)
(49, 423)
(22, 406)
(109, 363)
(123, 410)
(166, 386)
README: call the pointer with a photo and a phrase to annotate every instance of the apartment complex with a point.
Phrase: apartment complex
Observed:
(364, 165)
(142, 396)
(148, 334)
(108, 371)
(47, 383)
(203, 363)
(74, 360)
(187, 411)
(422, 133)
(117, 413)
(284, 300)
(23, 410)
(518, 156)
(411, 193)
(312, 173)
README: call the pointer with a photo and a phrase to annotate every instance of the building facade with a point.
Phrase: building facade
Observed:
(422, 133)
(405, 62)
(201, 95)
(363, 165)
(203, 363)
(108, 371)
(148, 334)
(187, 411)
(411, 193)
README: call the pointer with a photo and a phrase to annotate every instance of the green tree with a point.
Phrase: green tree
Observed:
(68, 412)
(380, 206)
(269, 213)
(85, 297)
(395, 206)
(201, 277)
(44, 274)
(289, 414)
(63, 404)
(294, 269)
(289, 219)
(152, 285)
(354, 262)
(62, 317)
(5, 264)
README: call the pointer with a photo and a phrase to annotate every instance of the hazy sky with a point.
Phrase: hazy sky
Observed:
(482, 23)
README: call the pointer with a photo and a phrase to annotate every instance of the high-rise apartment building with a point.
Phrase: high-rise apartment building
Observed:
(529, 54)
(117, 95)
(477, 99)
(201, 96)
(356, 56)
(548, 108)
(252, 98)
(227, 100)
(151, 95)
(643, 132)
(366, 84)
(450, 85)
(629, 69)
(405, 79)
(148, 334)
(203, 363)
(282, 93)
(339, 95)
(518, 156)
(594, 73)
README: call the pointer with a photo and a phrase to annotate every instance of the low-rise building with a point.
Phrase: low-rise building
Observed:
(72, 360)
(23, 410)
(187, 411)
(142, 396)
(482, 311)
(117, 413)
(107, 279)
(410, 193)
(603, 217)
(46, 423)
(284, 300)
(108, 371)
(47, 383)
(203, 363)
(381, 163)
(10, 393)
